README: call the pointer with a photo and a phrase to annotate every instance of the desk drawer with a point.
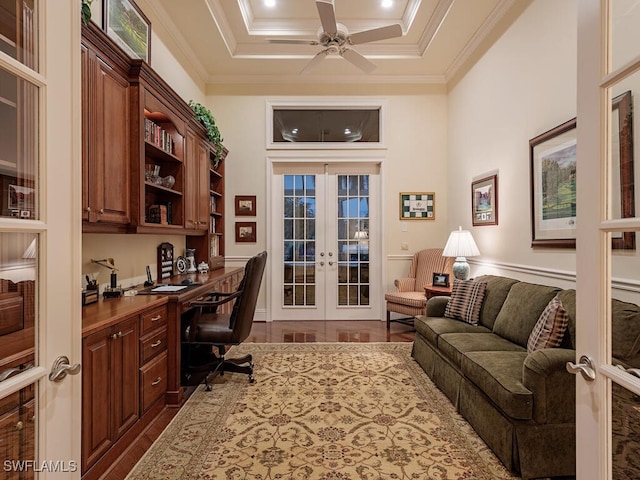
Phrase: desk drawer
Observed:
(153, 319)
(152, 344)
(153, 381)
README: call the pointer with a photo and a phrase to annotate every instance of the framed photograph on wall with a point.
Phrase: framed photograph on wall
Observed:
(553, 180)
(125, 24)
(484, 201)
(418, 206)
(245, 205)
(246, 232)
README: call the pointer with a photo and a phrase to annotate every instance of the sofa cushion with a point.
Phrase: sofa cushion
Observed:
(568, 299)
(432, 327)
(494, 297)
(521, 310)
(625, 329)
(454, 345)
(499, 376)
(466, 301)
(550, 327)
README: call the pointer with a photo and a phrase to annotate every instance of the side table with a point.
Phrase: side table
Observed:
(432, 291)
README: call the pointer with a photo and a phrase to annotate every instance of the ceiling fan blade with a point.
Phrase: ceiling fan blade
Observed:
(315, 60)
(293, 41)
(327, 16)
(375, 34)
(358, 60)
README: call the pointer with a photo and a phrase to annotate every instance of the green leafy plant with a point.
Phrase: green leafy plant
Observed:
(206, 119)
(86, 11)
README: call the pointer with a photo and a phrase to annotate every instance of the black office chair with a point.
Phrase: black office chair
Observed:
(207, 327)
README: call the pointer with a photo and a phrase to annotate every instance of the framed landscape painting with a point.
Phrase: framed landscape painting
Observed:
(553, 186)
(125, 24)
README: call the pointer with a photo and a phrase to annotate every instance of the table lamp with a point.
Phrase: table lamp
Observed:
(460, 245)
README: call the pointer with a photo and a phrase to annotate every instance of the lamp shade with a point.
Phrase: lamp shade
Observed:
(460, 244)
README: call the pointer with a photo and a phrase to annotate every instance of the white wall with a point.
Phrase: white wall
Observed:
(415, 161)
(523, 86)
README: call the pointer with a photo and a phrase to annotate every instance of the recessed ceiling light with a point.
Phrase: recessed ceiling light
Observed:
(387, 3)
(270, 3)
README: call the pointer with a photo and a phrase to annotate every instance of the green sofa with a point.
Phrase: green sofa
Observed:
(521, 404)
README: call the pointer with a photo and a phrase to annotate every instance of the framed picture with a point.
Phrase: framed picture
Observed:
(245, 205)
(553, 186)
(246, 232)
(125, 24)
(440, 280)
(417, 206)
(484, 201)
(553, 180)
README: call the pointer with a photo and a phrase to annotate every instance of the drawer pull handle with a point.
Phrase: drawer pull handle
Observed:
(156, 318)
(117, 335)
(156, 381)
(156, 344)
(19, 425)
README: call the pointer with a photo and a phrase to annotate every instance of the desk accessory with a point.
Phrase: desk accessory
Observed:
(165, 260)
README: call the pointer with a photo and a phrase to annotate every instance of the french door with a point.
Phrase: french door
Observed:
(325, 242)
(607, 406)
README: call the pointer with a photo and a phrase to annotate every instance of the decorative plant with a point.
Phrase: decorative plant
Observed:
(86, 11)
(205, 117)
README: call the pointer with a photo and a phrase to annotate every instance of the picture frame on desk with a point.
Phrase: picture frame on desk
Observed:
(440, 280)
(126, 25)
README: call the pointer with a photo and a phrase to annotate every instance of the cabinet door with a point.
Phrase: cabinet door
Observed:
(197, 191)
(106, 142)
(96, 396)
(112, 146)
(124, 375)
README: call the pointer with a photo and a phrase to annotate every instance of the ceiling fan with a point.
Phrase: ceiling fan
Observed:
(335, 39)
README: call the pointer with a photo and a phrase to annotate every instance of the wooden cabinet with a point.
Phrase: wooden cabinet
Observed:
(110, 387)
(210, 246)
(105, 135)
(124, 376)
(197, 166)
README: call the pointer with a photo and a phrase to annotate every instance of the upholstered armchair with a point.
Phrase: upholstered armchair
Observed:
(409, 298)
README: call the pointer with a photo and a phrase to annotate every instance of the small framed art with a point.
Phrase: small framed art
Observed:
(245, 205)
(484, 201)
(246, 232)
(417, 206)
(440, 280)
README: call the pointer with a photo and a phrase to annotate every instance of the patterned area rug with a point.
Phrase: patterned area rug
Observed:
(330, 411)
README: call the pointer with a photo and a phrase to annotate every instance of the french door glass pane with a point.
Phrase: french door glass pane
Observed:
(299, 240)
(19, 31)
(353, 240)
(18, 147)
(625, 34)
(17, 346)
(625, 433)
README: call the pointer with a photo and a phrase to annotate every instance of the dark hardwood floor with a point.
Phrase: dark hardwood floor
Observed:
(273, 332)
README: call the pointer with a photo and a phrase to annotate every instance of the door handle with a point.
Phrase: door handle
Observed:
(61, 368)
(585, 367)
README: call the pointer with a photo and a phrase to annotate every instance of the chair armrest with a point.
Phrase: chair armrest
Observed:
(554, 389)
(213, 299)
(405, 284)
(436, 306)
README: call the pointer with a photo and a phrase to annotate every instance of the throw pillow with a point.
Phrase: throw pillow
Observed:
(550, 327)
(466, 301)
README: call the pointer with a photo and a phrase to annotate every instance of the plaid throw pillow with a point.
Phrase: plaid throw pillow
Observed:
(466, 301)
(550, 327)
